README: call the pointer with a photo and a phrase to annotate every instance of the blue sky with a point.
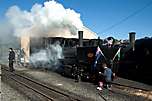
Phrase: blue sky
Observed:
(100, 15)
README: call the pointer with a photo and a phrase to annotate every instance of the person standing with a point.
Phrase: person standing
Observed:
(11, 59)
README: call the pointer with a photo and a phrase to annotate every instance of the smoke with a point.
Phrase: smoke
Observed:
(50, 19)
(7, 40)
(47, 57)
(6, 29)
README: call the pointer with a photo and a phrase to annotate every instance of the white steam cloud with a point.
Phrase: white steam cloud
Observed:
(50, 19)
(47, 57)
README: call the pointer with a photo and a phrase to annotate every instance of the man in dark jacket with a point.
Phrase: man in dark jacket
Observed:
(11, 59)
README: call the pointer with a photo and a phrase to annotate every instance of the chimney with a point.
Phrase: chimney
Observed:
(80, 38)
(132, 39)
(99, 40)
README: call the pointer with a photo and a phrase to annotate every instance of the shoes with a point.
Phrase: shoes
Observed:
(99, 88)
(109, 87)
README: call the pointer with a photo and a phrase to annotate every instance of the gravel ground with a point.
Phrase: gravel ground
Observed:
(13, 91)
(9, 94)
(67, 84)
(82, 88)
(132, 83)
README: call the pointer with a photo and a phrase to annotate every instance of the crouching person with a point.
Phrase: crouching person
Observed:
(107, 76)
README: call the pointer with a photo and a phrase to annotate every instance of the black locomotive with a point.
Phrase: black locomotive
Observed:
(137, 64)
(80, 54)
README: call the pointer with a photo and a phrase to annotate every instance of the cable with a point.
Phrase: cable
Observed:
(126, 18)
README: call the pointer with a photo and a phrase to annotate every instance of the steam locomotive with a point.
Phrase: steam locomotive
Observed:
(136, 65)
(80, 54)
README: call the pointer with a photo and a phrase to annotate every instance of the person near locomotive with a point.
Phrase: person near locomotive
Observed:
(107, 75)
(105, 78)
(11, 59)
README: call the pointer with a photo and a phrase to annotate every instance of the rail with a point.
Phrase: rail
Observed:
(69, 97)
(33, 85)
(118, 84)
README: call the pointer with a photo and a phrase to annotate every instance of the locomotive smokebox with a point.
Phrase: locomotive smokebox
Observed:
(80, 38)
(132, 39)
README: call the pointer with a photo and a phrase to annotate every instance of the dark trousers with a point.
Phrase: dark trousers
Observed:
(107, 83)
(11, 65)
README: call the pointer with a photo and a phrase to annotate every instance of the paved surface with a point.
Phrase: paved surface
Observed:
(82, 88)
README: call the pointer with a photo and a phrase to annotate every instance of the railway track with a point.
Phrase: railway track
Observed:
(49, 93)
(131, 87)
(136, 91)
(55, 95)
(126, 90)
